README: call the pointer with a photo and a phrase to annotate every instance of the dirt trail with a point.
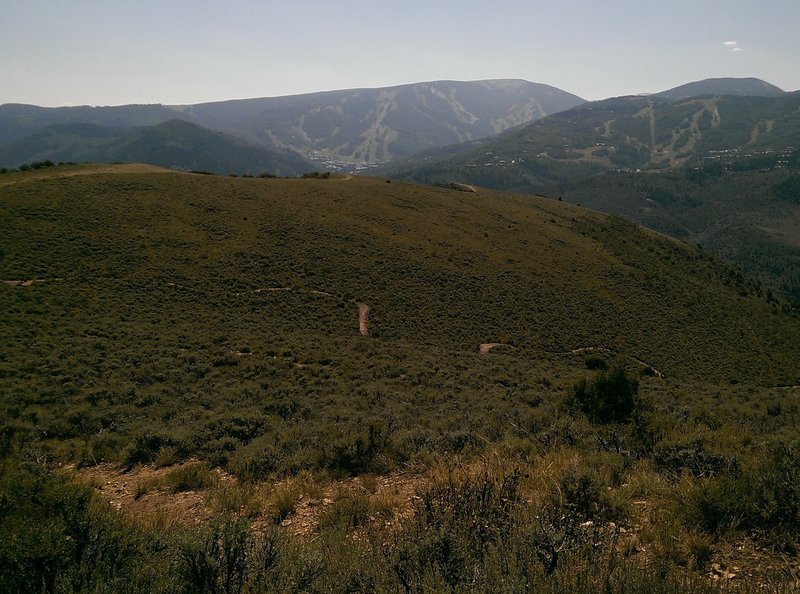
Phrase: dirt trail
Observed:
(23, 283)
(363, 308)
(592, 349)
(363, 318)
(486, 347)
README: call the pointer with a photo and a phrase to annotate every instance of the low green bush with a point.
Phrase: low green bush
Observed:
(763, 497)
(611, 397)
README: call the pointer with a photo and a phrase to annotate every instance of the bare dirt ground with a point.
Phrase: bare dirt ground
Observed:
(392, 500)
(391, 497)
(23, 283)
(363, 318)
(119, 488)
(487, 347)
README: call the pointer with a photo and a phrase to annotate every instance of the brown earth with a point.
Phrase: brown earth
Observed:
(363, 318)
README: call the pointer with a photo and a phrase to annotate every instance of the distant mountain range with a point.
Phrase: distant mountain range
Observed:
(623, 133)
(354, 126)
(721, 171)
(174, 144)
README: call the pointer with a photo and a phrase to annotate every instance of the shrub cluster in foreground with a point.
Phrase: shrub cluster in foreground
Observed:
(470, 534)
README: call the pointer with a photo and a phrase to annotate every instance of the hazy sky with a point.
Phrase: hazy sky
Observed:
(110, 52)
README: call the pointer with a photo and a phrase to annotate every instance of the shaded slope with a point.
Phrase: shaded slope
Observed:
(385, 123)
(746, 211)
(353, 125)
(175, 144)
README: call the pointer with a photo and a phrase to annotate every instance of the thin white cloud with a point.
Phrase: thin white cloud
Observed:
(732, 45)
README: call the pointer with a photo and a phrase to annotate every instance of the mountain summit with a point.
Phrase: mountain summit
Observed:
(351, 126)
(744, 87)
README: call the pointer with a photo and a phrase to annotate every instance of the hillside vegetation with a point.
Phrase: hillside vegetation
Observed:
(175, 144)
(581, 403)
(743, 87)
(717, 171)
(623, 133)
(341, 127)
(745, 211)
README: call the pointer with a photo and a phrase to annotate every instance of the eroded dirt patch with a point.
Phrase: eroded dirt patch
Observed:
(138, 492)
(487, 347)
(363, 318)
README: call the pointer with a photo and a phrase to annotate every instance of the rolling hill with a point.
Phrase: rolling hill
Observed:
(174, 144)
(545, 275)
(348, 384)
(355, 126)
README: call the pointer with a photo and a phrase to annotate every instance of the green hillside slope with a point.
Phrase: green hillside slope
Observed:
(347, 384)
(163, 288)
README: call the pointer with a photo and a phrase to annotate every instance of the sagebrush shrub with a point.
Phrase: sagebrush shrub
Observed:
(611, 397)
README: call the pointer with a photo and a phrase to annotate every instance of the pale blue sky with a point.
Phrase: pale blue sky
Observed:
(110, 52)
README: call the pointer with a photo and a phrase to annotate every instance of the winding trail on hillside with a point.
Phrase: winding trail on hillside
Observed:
(596, 349)
(363, 318)
(363, 308)
(23, 283)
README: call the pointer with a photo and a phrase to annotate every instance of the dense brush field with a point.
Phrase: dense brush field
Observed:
(634, 429)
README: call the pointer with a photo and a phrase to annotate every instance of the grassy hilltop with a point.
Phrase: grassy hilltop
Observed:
(279, 328)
